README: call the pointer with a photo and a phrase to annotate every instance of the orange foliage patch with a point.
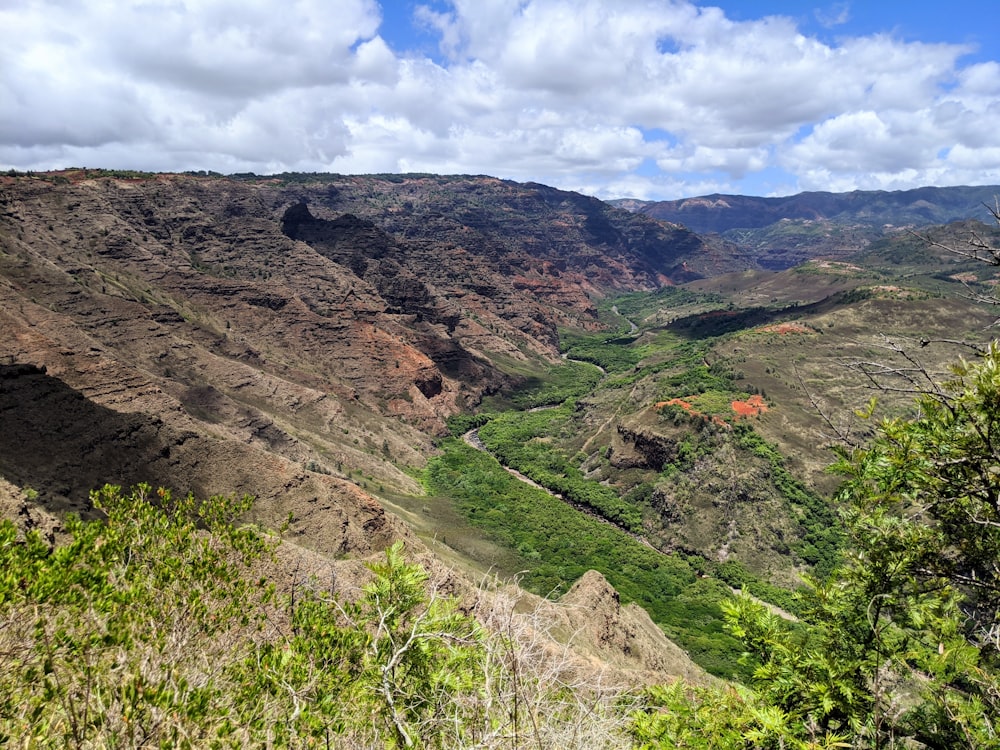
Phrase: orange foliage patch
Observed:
(689, 408)
(750, 408)
(686, 406)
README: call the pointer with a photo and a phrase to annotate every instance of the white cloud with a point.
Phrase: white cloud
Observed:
(236, 48)
(982, 80)
(860, 141)
(835, 15)
(556, 91)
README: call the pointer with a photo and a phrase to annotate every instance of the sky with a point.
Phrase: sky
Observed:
(650, 99)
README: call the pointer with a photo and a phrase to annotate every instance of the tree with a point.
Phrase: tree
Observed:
(903, 641)
(924, 509)
(980, 246)
(393, 666)
(153, 627)
(901, 644)
(116, 637)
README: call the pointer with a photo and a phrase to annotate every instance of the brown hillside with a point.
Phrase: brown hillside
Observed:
(300, 339)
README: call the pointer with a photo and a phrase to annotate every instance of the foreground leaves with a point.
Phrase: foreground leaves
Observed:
(149, 629)
(117, 637)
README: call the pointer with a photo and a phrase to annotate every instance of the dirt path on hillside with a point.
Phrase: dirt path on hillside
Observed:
(608, 422)
(774, 609)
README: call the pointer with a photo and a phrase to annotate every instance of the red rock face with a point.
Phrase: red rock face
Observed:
(242, 329)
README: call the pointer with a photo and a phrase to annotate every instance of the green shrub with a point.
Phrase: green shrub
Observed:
(564, 544)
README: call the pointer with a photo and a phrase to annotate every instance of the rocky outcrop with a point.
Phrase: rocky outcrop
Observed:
(622, 636)
(60, 443)
(420, 280)
(642, 448)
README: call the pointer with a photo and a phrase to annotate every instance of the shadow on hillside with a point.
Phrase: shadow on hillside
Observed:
(59, 443)
(719, 322)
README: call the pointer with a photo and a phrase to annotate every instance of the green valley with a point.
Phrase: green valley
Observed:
(529, 470)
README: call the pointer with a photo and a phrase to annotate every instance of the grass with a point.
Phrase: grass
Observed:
(556, 544)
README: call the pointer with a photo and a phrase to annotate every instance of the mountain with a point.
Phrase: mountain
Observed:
(307, 338)
(783, 232)
(299, 337)
(657, 405)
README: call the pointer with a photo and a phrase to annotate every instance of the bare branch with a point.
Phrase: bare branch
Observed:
(909, 377)
(978, 247)
(841, 434)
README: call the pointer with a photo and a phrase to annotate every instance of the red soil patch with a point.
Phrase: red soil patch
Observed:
(750, 408)
(687, 406)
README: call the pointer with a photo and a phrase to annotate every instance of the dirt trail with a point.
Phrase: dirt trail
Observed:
(774, 609)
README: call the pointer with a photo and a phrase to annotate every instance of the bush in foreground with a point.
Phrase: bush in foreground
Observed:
(148, 629)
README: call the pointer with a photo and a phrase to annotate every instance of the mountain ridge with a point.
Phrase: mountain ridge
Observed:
(782, 232)
(720, 212)
(306, 338)
(342, 350)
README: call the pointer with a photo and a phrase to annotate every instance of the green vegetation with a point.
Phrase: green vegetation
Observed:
(706, 424)
(692, 377)
(149, 629)
(639, 305)
(721, 322)
(559, 544)
(683, 717)
(734, 573)
(823, 538)
(559, 383)
(106, 636)
(397, 657)
(154, 628)
(513, 439)
(459, 424)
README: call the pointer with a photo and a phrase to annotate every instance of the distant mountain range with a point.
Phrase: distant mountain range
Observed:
(782, 232)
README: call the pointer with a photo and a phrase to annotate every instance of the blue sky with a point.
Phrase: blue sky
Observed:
(973, 22)
(653, 99)
(959, 21)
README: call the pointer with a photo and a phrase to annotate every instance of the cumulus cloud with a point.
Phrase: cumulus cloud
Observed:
(566, 92)
(235, 49)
